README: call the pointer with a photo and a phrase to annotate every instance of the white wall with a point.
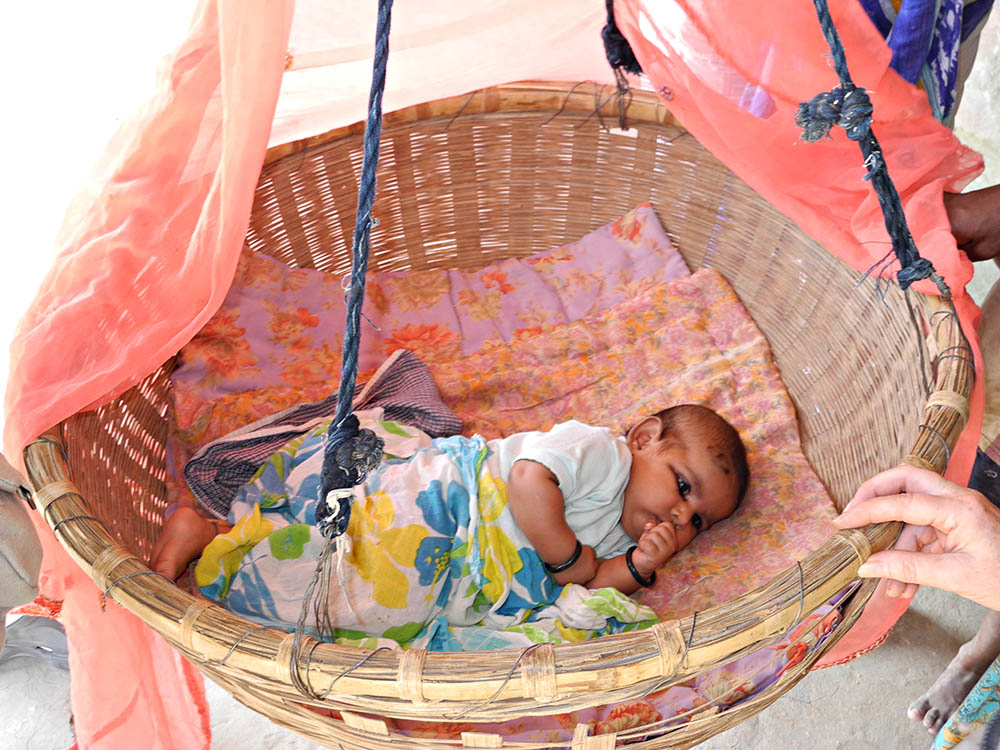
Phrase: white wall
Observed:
(72, 71)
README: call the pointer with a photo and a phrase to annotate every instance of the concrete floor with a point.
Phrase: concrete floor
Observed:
(861, 704)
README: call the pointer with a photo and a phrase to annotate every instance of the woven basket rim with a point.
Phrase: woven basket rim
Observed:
(640, 660)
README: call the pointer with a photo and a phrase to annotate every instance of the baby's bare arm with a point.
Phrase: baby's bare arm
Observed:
(614, 572)
(537, 504)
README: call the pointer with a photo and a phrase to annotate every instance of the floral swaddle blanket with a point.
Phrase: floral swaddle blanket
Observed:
(434, 558)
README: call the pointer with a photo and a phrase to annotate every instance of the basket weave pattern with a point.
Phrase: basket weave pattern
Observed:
(464, 182)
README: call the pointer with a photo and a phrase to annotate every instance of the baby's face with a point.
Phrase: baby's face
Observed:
(687, 482)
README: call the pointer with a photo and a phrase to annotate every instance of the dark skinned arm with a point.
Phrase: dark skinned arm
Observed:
(539, 509)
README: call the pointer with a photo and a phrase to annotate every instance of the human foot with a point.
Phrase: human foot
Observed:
(184, 536)
(934, 707)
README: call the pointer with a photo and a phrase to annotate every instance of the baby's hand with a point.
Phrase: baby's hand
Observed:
(657, 544)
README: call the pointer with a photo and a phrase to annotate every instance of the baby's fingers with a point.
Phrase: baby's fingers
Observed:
(658, 543)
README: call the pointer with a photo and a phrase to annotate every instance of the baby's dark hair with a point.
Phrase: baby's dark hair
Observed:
(718, 429)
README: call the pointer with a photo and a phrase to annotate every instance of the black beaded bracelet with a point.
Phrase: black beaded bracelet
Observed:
(635, 573)
(569, 563)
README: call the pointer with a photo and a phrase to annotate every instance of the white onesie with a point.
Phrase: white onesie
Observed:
(592, 466)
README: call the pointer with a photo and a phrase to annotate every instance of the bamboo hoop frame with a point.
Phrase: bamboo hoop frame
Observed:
(861, 424)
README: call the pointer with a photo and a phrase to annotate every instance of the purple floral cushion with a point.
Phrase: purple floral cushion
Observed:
(283, 326)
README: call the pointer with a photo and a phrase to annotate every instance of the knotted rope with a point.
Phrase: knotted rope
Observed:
(848, 105)
(350, 452)
(616, 46)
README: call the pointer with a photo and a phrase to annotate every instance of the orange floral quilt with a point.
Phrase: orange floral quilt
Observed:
(689, 340)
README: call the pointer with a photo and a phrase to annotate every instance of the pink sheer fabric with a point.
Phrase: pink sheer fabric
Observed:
(145, 256)
(128, 686)
(734, 74)
(148, 249)
(438, 48)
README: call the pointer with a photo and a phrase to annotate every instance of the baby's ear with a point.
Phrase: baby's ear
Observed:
(644, 432)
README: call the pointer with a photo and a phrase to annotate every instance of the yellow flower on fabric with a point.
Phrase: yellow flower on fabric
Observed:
(418, 289)
(500, 560)
(378, 549)
(485, 306)
(225, 553)
(572, 635)
(492, 497)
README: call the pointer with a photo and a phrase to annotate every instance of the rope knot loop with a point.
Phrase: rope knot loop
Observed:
(819, 114)
(856, 114)
(349, 455)
(850, 108)
(919, 269)
(616, 46)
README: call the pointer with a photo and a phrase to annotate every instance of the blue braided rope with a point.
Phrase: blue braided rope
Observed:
(351, 453)
(363, 221)
(616, 46)
(849, 106)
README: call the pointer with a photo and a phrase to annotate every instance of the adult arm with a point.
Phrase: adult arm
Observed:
(951, 539)
(975, 222)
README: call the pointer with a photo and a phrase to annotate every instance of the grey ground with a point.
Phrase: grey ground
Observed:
(860, 705)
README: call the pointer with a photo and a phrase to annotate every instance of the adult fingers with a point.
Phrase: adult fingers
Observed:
(900, 480)
(940, 571)
(910, 590)
(919, 539)
(894, 589)
(938, 510)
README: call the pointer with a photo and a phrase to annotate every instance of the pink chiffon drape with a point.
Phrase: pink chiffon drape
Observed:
(734, 74)
(148, 248)
(146, 254)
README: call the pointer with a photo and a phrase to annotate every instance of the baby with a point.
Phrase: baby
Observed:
(598, 510)
(674, 474)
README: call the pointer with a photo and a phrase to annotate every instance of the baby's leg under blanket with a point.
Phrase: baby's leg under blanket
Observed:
(369, 593)
(393, 572)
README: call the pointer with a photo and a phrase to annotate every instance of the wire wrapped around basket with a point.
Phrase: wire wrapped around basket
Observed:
(787, 281)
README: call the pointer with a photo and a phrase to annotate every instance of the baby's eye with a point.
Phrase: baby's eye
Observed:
(682, 486)
(696, 522)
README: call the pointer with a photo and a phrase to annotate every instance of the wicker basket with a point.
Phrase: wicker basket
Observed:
(462, 181)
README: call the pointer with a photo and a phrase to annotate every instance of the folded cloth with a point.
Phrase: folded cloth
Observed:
(402, 387)
(933, 43)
